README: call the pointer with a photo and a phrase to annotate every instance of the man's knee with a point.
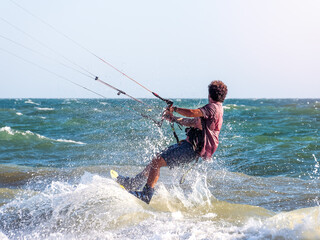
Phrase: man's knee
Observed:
(158, 162)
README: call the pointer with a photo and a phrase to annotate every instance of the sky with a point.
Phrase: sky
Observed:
(260, 49)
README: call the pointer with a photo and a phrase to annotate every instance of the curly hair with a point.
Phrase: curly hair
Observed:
(218, 91)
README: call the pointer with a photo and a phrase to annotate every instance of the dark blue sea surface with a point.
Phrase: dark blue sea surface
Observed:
(53, 151)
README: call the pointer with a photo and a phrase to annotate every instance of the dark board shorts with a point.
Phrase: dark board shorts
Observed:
(180, 153)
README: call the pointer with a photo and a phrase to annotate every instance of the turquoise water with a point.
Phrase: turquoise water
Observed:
(55, 155)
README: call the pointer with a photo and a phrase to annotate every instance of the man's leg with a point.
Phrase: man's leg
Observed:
(154, 170)
(175, 155)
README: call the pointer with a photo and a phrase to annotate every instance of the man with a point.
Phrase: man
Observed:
(202, 141)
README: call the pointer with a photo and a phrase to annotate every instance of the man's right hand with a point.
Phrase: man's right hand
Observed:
(168, 115)
(171, 109)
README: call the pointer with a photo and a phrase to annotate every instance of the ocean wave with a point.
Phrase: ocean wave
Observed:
(230, 106)
(7, 194)
(298, 224)
(44, 109)
(97, 110)
(69, 141)
(237, 107)
(8, 131)
(16, 176)
(97, 208)
(13, 132)
(29, 101)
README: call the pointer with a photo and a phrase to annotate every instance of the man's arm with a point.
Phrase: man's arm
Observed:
(188, 122)
(187, 112)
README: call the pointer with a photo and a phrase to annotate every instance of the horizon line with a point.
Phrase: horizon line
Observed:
(121, 98)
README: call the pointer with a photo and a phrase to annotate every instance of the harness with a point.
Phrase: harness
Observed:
(196, 136)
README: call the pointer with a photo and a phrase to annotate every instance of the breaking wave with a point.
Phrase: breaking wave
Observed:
(97, 208)
(7, 133)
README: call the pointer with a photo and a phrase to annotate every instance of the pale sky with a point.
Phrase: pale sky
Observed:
(260, 49)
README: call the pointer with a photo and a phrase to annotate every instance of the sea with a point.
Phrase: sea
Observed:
(263, 182)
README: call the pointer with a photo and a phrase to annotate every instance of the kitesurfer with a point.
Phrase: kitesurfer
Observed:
(202, 140)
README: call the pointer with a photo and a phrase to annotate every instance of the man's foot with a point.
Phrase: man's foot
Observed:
(145, 195)
(131, 184)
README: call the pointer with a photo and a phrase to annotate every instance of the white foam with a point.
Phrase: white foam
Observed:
(31, 102)
(236, 136)
(44, 109)
(210, 215)
(7, 130)
(19, 113)
(3, 237)
(70, 141)
(229, 106)
(177, 215)
(95, 204)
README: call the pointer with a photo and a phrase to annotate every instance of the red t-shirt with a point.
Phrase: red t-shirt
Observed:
(213, 117)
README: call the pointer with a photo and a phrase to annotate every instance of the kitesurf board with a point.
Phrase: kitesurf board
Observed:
(114, 176)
